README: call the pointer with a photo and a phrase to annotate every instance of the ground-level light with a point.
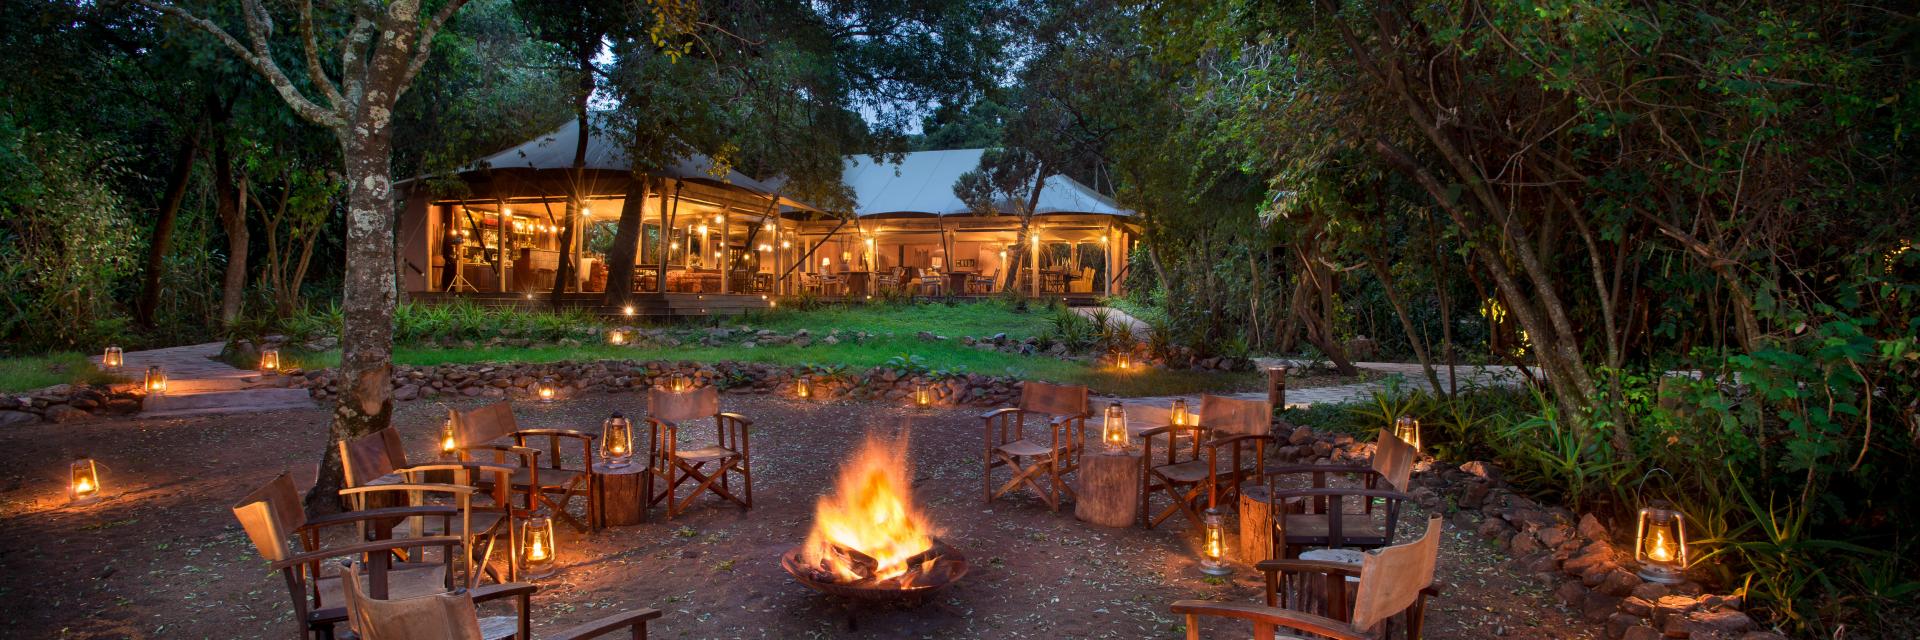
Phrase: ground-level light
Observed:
(1113, 431)
(270, 361)
(922, 394)
(802, 388)
(1660, 544)
(1213, 544)
(616, 337)
(545, 390)
(1407, 429)
(156, 381)
(1123, 360)
(540, 551)
(679, 382)
(83, 481)
(628, 310)
(112, 359)
(616, 440)
(449, 446)
(1179, 414)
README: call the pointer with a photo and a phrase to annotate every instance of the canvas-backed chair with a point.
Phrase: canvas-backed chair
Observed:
(983, 283)
(1038, 462)
(1387, 592)
(278, 525)
(377, 460)
(710, 467)
(1362, 512)
(1205, 463)
(554, 484)
(455, 615)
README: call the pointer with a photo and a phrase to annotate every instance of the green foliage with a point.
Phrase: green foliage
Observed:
(20, 374)
(65, 238)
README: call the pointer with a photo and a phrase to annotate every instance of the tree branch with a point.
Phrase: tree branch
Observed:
(261, 61)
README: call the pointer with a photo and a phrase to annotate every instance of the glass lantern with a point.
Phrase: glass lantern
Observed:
(1213, 547)
(112, 359)
(1407, 429)
(449, 445)
(803, 388)
(616, 440)
(270, 361)
(83, 482)
(1660, 544)
(922, 395)
(1113, 431)
(156, 381)
(617, 337)
(1179, 414)
(1122, 360)
(679, 382)
(545, 389)
(540, 551)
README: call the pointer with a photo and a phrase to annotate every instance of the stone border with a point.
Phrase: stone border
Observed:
(69, 402)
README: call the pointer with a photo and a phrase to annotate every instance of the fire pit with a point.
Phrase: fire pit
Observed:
(868, 541)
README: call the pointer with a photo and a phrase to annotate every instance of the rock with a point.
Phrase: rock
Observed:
(1762, 635)
(406, 392)
(749, 344)
(1555, 536)
(1524, 544)
(1481, 469)
(1301, 435)
(1724, 623)
(1640, 633)
(1618, 582)
(926, 336)
(1650, 591)
(830, 340)
(1671, 607)
(1637, 606)
(1721, 602)
(1543, 563)
(66, 413)
(1475, 496)
(1619, 623)
(10, 418)
(999, 338)
(470, 392)
(1570, 592)
(1598, 607)
(1591, 529)
(1495, 529)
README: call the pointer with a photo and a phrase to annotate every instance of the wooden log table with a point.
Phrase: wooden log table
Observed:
(620, 494)
(1109, 491)
(1257, 515)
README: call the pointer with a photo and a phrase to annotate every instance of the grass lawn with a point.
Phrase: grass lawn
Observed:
(979, 319)
(34, 372)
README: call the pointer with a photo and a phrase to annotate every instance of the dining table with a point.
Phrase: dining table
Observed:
(859, 283)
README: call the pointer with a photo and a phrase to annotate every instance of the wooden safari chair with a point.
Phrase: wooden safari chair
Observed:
(1362, 513)
(1227, 446)
(672, 465)
(375, 461)
(1063, 408)
(455, 615)
(1387, 592)
(554, 485)
(279, 527)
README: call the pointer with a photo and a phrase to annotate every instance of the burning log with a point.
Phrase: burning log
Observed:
(868, 539)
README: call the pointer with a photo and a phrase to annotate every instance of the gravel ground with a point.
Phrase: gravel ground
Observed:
(163, 556)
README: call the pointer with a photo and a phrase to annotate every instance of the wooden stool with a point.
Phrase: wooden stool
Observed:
(1109, 492)
(620, 494)
(1256, 522)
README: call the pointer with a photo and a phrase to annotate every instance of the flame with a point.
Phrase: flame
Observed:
(1661, 550)
(83, 485)
(1215, 547)
(871, 511)
(539, 550)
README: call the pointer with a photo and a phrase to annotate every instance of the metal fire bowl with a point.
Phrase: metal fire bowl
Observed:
(795, 564)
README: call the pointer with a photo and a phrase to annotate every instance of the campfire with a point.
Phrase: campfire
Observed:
(868, 540)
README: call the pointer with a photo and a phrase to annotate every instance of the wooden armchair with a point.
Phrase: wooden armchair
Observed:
(672, 465)
(1312, 597)
(1064, 410)
(372, 477)
(455, 616)
(1227, 447)
(279, 527)
(556, 484)
(1326, 520)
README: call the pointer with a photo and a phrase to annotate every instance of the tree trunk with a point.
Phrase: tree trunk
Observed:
(626, 243)
(231, 204)
(177, 181)
(578, 186)
(1382, 271)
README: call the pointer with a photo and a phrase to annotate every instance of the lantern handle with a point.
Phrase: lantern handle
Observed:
(1638, 496)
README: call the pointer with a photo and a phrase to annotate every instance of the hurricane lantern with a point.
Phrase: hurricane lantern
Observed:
(1660, 544)
(1179, 414)
(1123, 360)
(112, 359)
(270, 361)
(616, 337)
(539, 551)
(449, 446)
(1407, 429)
(545, 390)
(802, 388)
(679, 382)
(616, 440)
(156, 381)
(1213, 547)
(83, 481)
(1113, 432)
(922, 394)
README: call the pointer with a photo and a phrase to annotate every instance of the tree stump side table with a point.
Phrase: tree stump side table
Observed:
(1109, 491)
(620, 494)
(1257, 514)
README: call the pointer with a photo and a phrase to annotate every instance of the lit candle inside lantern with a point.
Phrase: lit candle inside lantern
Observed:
(156, 380)
(1179, 413)
(1661, 544)
(540, 548)
(1113, 432)
(112, 359)
(803, 388)
(546, 390)
(448, 444)
(616, 337)
(616, 440)
(270, 361)
(1213, 546)
(922, 395)
(83, 481)
(1123, 360)
(1407, 429)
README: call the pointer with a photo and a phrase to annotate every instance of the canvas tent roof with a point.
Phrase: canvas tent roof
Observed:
(923, 184)
(555, 151)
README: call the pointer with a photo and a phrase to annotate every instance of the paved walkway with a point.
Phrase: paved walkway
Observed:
(199, 385)
(1413, 377)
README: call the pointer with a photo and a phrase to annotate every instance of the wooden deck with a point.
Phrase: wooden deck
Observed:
(667, 305)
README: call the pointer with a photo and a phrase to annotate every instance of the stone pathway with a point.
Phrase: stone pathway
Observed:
(1411, 375)
(199, 385)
